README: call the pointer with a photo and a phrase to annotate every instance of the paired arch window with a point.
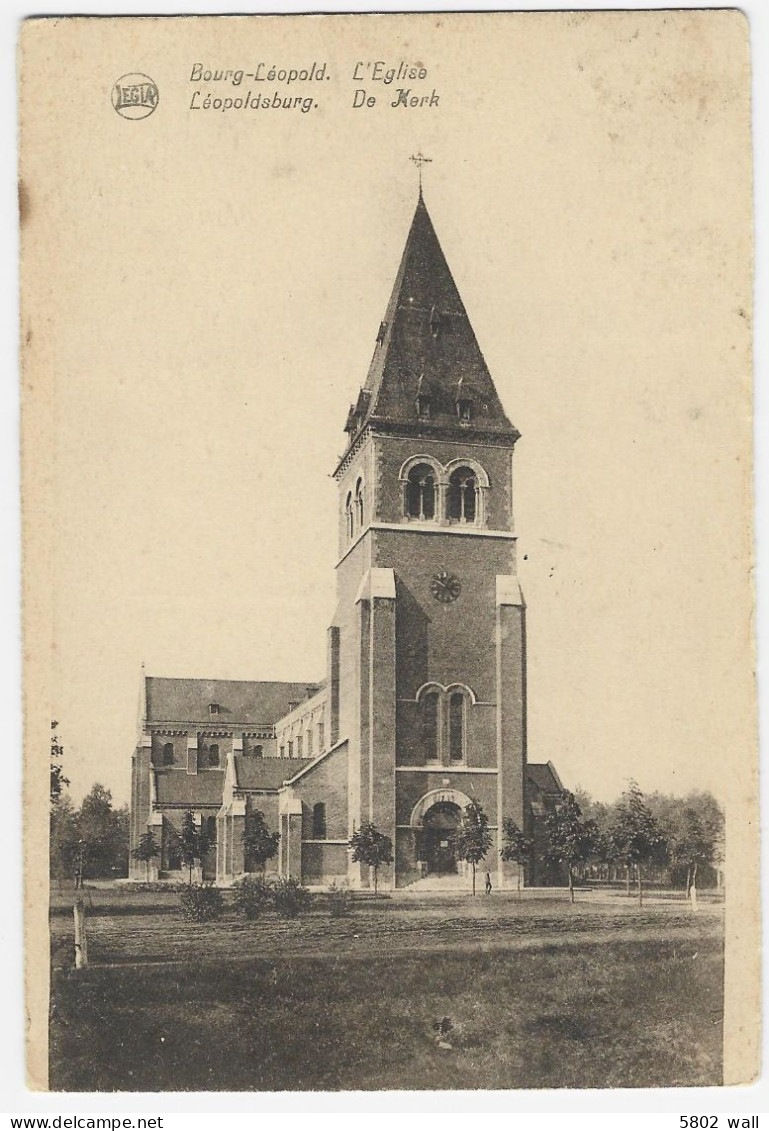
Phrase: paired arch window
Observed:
(431, 726)
(319, 821)
(447, 495)
(353, 511)
(462, 501)
(457, 704)
(420, 492)
(443, 715)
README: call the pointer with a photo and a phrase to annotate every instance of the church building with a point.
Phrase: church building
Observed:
(423, 705)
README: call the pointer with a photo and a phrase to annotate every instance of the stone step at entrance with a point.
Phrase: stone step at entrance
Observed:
(448, 882)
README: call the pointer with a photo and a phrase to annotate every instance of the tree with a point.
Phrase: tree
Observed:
(473, 839)
(104, 833)
(516, 846)
(371, 847)
(693, 828)
(58, 780)
(192, 842)
(259, 843)
(571, 839)
(635, 834)
(146, 850)
(65, 838)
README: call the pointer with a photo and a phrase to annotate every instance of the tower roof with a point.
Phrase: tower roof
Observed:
(428, 374)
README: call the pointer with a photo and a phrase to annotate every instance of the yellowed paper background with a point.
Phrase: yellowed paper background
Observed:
(200, 293)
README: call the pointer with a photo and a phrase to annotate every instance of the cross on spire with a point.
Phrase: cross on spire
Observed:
(419, 160)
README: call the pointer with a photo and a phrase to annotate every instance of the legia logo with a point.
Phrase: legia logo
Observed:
(135, 96)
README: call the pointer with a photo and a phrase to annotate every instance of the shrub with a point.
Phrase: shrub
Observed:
(290, 897)
(252, 894)
(339, 900)
(153, 886)
(201, 903)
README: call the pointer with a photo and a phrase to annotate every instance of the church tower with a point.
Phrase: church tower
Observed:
(423, 710)
(427, 649)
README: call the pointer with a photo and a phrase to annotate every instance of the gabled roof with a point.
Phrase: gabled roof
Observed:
(266, 773)
(240, 701)
(176, 787)
(426, 347)
(543, 776)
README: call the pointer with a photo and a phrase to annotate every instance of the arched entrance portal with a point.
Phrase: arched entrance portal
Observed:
(439, 828)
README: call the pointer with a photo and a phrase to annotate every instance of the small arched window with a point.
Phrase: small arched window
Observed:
(319, 821)
(359, 503)
(430, 726)
(173, 852)
(420, 492)
(258, 751)
(457, 727)
(349, 515)
(463, 495)
(168, 754)
(213, 755)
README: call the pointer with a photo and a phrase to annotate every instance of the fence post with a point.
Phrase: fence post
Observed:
(81, 940)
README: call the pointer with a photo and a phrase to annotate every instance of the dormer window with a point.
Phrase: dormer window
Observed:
(213, 709)
(381, 335)
(435, 323)
(465, 410)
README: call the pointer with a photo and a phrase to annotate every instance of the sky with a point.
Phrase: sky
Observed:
(206, 292)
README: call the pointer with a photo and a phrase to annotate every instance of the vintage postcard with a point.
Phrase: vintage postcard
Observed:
(387, 493)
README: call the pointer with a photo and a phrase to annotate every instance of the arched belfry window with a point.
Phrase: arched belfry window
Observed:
(463, 495)
(420, 492)
(349, 516)
(359, 503)
(168, 754)
(213, 754)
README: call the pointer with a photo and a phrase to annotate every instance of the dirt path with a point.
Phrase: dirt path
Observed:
(455, 938)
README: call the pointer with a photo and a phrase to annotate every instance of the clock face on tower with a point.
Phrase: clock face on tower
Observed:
(445, 587)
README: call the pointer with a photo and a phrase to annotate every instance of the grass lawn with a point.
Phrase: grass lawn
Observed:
(535, 993)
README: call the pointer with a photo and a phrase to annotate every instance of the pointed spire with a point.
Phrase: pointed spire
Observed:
(427, 365)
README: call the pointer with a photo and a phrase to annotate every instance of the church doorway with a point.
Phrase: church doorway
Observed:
(439, 828)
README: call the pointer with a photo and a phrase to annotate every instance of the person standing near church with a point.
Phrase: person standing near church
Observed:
(488, 883)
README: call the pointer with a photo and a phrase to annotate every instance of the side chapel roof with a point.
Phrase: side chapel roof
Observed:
(240, 702)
